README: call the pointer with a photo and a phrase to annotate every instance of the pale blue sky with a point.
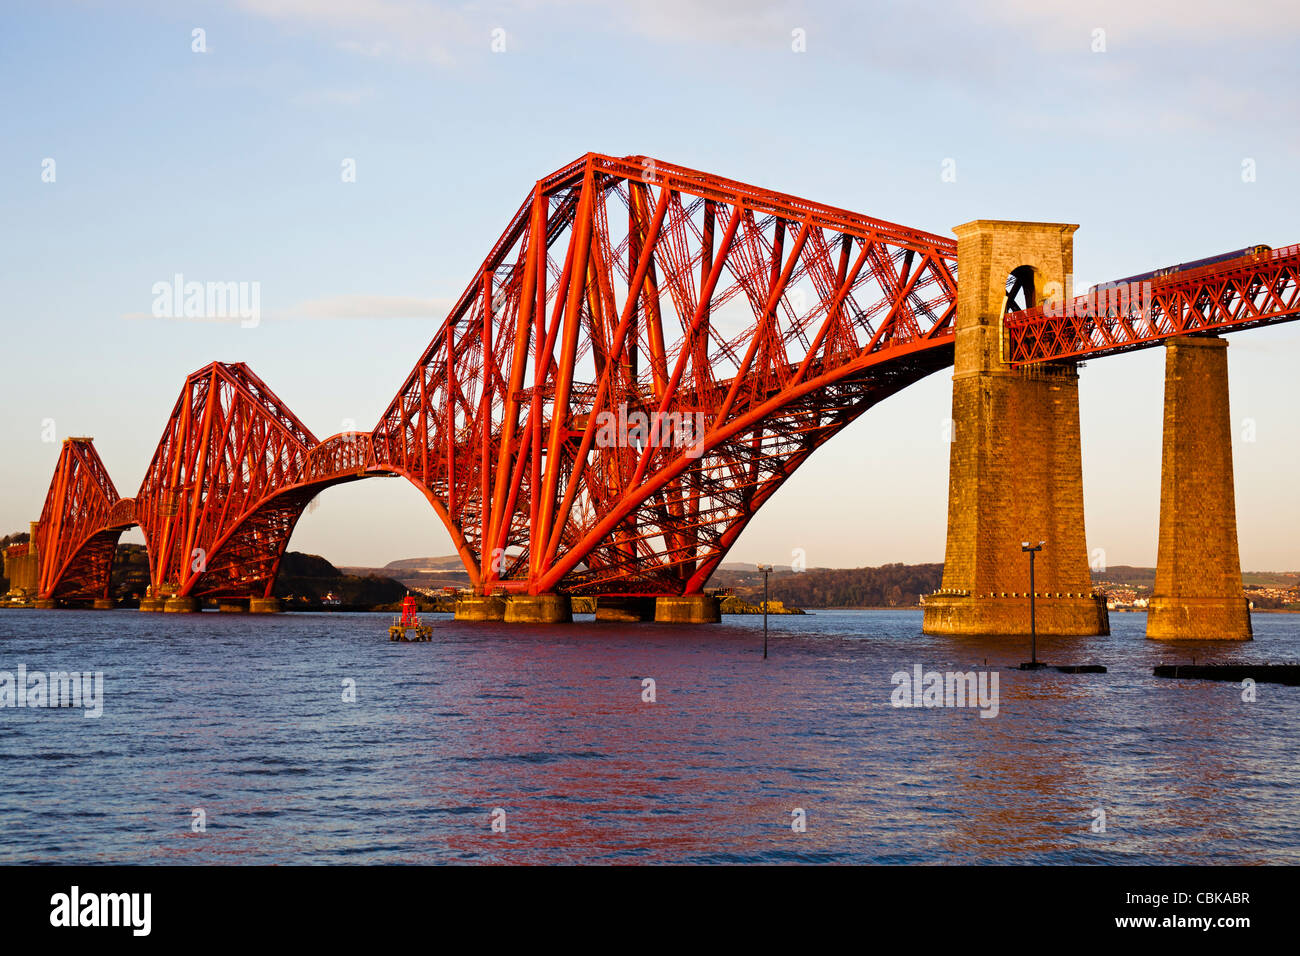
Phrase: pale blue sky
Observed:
(225, 165)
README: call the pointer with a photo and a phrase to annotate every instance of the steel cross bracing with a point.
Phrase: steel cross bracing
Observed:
(83, 517)
(625, 287)
(1255, 289)
(628, 287)
(746, 326)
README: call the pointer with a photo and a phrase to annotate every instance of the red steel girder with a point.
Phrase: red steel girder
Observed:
(80, 523)
(229, 449)
(626, 287)
(622, 288)
(1252, 290)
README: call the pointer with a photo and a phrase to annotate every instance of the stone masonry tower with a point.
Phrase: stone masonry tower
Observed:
(1015, 472)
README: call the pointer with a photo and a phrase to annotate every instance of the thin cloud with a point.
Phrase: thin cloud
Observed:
(761, 22)
(376, 28)
(1151, 23)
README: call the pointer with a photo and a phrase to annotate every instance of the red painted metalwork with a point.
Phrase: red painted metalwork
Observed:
(82, 519)
(225, 487)
(1251, 290)
(410, 616)
(622, 288)
(747, 326)
(630, 287)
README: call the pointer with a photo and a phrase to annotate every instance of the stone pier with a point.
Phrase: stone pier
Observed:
(480, 607)
(22, 566)
(538, 609)
(688, 609)
(1015, 469)
(1197, 594)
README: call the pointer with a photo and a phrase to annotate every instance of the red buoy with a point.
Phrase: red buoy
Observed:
(408, 613)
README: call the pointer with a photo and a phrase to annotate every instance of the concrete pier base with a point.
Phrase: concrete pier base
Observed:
(1007, 615)
(264, 605)
(538, 609)
(181, 604)
(45, 604)
(1199, 619)
(1197, 594)
(233, 606)
(103, 604)
(480, 608)
(688, 609)
(625, 609)
(152, 604)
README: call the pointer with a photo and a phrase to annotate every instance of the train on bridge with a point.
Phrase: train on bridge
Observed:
(1164, 271)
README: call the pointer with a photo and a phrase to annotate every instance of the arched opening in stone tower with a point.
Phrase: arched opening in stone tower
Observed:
(1021, 292)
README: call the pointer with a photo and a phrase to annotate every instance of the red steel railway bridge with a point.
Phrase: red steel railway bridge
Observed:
(642, 359)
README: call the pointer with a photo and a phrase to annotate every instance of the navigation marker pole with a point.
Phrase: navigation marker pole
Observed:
(766, 569)
(1033, 630)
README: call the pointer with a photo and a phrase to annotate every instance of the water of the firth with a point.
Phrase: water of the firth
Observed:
(244, 718)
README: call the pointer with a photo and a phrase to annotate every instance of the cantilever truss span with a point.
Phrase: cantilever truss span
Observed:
(642, 359)
(644, 356)
(77, 534)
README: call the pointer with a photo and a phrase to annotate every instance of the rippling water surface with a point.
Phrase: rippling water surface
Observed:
(243, 717)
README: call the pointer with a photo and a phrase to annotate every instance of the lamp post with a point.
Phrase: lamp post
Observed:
(1033, 630)
(766, 569)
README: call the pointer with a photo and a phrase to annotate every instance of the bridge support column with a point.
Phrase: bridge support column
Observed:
(152, 603)
(625, 609)
(1197, 594)
(538, 609)
(264, 605)
(22, 565)
(1015, 470)
(480, 607)
(688, 609)
(182, 604)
